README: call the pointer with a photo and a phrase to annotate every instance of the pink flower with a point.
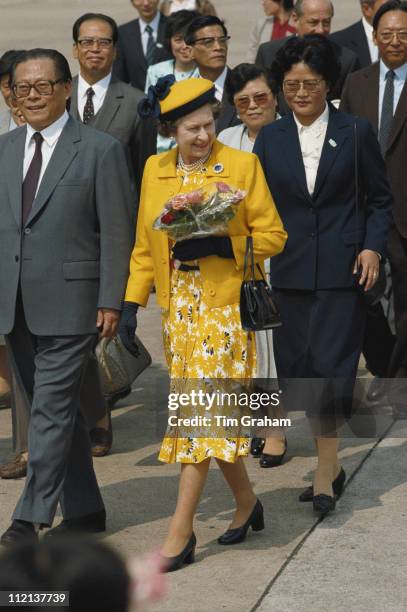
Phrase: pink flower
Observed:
(195, 197)
(223, 187)
(178, 202)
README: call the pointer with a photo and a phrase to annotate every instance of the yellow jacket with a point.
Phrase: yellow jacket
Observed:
(222, 278)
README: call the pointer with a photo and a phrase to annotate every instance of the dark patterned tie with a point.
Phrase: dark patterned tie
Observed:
(89, 110)
(387, 111)
(150, 45)
(32, 177)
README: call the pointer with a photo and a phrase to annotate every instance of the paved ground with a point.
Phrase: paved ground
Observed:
(353, 561)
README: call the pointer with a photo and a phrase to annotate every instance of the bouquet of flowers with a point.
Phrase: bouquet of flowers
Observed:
(199, 213)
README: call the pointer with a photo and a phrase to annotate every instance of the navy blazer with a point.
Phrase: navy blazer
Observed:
(324, 230)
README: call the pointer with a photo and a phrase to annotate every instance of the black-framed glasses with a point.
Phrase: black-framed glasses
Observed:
(42, 87)
(387, 36)
(210, 41)
(87, 43)
(309, 85)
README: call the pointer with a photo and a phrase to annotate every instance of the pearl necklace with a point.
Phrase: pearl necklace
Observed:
(197, 166)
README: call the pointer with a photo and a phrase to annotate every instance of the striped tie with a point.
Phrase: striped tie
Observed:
(386, 118)
(150, 45)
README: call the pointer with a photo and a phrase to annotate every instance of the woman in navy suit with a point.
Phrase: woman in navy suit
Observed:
(332, 254)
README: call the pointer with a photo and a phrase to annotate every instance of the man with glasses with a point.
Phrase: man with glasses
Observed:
(379, 93)
(141, 44)
(209, 40)
(358, 37)
(66, 228)
(311, 17)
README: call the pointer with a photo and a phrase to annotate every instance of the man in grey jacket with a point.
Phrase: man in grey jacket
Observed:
(66, 234)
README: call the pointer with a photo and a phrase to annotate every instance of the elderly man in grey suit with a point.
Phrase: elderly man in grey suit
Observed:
(99, 98)
(66, 234)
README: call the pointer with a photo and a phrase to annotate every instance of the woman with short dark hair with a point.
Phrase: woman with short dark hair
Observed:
(326, 173)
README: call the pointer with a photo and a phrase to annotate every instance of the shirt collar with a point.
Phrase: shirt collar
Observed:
(51, 133)
(321, 120)
(100, 87)
(154, 23)
(401, 72)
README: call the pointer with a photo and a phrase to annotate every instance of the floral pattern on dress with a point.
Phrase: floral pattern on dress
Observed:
(204, 343)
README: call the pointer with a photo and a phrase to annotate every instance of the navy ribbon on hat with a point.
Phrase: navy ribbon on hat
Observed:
(149, 106)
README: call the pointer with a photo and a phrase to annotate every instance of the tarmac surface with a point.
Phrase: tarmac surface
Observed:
(354, 560)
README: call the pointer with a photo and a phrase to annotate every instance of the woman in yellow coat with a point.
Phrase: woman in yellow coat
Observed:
(198, 287)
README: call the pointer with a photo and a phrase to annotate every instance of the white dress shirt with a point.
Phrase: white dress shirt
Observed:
(220, 85)
(100, 89)
(374, 51)
(399, 80)
(144, 35)
(182, 5)
(312, 139)
(50, 135)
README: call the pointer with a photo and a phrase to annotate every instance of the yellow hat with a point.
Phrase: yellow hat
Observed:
(169, 100)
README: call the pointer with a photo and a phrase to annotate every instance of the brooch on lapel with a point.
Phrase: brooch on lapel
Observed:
(218, 168)
(332, 142)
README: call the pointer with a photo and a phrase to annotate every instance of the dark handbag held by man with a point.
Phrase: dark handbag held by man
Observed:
(375, 294)
(258, 310)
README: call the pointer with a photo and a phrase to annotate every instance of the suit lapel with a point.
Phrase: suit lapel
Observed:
(361, 44)
(292, 152)
(73, 107)
(14, 163)
(138, 53)
(110, 106)
(400, 116)
(64, 153)
(370, 94)
(336, 134)
(160, 38)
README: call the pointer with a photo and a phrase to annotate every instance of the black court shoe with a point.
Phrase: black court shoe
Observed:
(323, 504)
(270, 461)
(255, 521)
(337, 487)
(256, 446)
(186, 557)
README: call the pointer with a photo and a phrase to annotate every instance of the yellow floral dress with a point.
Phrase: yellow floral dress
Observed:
(203, 343)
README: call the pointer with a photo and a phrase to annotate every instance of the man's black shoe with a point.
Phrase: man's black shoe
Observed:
(91, 523)
(19, 531)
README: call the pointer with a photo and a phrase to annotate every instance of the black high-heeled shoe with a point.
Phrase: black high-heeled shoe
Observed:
(337, 486)
(270, 461)
(256, 446)
(323, 504)
(186, 556)
(255, 521)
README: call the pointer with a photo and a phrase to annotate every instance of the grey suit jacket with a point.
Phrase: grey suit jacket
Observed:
(72, 255)
(4, 121)
(118, 117)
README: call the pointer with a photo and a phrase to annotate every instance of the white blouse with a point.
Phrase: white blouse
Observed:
(312, 139)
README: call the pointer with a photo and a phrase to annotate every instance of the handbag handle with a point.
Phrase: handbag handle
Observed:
(250, 255)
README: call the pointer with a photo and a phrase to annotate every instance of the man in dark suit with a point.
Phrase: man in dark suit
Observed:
(209, 38)
(358, 37)
(379, 93)
(141, 44)
(311, 17)
(66, 210)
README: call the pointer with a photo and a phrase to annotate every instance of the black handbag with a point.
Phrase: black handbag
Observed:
(376, 293)
(258, 310)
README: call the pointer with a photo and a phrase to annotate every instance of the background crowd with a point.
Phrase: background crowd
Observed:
(364, 69)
